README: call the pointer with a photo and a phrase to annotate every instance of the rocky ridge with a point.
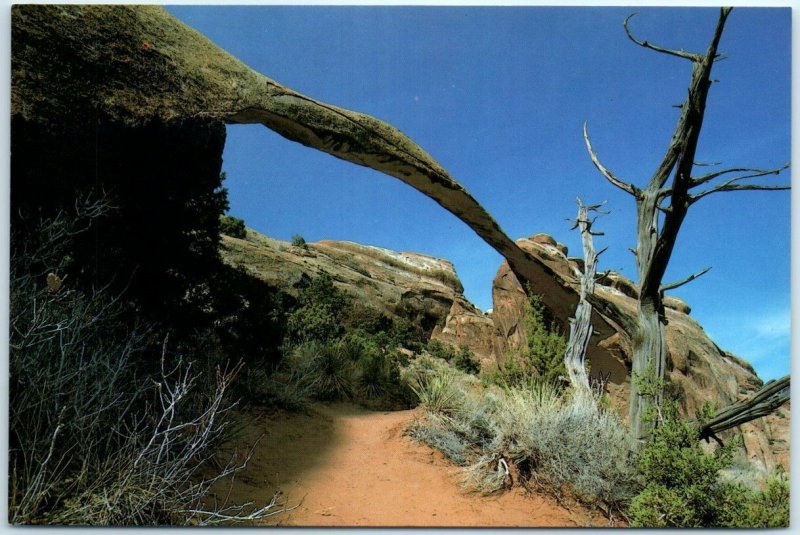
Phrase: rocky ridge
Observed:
(152, 74)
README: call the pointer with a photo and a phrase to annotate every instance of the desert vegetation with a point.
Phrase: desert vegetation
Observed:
(106, 428)
(573, 445)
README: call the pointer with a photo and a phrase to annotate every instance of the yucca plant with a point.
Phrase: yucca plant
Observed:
(437, 392)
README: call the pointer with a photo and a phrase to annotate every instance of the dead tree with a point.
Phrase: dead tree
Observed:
(580, 327)
(771, 396)
(661, 208)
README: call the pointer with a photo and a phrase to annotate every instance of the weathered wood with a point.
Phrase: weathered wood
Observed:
(766, 401)
(580, 328)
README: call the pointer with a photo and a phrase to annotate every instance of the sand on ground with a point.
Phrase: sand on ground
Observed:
(343, 465)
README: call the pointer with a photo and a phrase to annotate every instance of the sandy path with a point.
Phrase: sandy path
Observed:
(347, 466)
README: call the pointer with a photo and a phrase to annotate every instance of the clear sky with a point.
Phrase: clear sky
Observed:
(498, 97)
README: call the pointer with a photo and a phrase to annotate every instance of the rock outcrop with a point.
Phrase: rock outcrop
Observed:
(698, 369)
(397, 284)
(414, 286)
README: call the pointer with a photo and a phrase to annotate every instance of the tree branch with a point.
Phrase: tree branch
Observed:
(766, 401)
(679, 53)
(729, 186)
(624, 186)
(690, 278)
(697, 181)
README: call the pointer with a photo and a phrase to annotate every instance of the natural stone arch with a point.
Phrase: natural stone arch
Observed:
(138, 65)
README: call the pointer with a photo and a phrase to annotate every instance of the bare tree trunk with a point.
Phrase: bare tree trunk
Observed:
(580, 329)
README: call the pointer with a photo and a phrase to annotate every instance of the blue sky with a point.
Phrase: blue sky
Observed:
(498, 97)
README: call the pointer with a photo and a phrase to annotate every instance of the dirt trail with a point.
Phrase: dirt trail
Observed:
(348, 466)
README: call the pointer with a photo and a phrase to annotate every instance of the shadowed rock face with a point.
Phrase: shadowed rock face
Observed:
(698, 369)
(465, 324)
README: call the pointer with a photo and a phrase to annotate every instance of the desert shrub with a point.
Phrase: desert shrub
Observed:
(546, 344)
(334, 373)
(466, 361)
(326, 368)
(440, 350)
(373, 375)
(367, 319)
(317, 315)
(299, 241)
(437, 432)
(768, 508)
(684, 488)
(95, 436)
(232, 226)
(437, 389)
(284, 388)
(405, 333)
(313, 321)
(568, 444)
(562, 444)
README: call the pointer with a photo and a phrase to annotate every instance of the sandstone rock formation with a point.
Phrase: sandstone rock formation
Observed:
(408, 285)
(137, 70)
(698, 369)
(466, 325)
(398, 284)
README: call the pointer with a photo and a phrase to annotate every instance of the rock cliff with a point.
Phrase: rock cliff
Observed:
(698, 369)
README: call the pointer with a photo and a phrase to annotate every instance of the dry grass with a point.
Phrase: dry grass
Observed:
(561, 443)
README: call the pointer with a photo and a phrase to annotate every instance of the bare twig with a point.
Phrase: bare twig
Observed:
(679, 53)
(687, 280)
(624, 186)
(697, 181)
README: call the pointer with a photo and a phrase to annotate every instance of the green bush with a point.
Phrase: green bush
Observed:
(232, 226)
(466, 361)
(440, 350)
(299, 241)
(543, 356)
(404, 333)
(366, 318)
(317, 315)
(768, 508)
(546, 344)
(684, 489)
(313, 321)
